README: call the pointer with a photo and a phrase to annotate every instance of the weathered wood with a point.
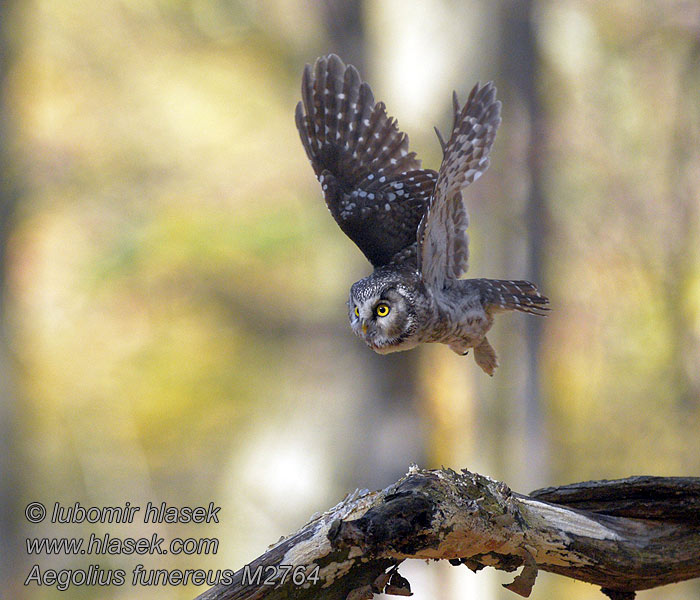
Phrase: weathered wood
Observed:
(658, 498)
(340, 570)
(473, 520)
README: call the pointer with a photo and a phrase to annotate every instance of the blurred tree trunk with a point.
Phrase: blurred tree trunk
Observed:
(681, 264)
(390, 418)
(519, 69)
(345, 27)
(8, 417)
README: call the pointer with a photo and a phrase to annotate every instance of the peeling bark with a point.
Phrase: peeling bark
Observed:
(473, 520)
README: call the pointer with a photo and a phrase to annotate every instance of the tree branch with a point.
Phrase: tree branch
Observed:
(354, 549)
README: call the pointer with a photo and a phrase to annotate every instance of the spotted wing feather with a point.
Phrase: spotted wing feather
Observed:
(373, 186)
(443, 247)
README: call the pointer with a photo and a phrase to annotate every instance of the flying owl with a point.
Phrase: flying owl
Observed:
(409, 222)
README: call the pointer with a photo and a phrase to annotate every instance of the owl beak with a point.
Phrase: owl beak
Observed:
(364, 328)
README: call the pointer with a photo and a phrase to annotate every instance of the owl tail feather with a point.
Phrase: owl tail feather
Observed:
(504, 294)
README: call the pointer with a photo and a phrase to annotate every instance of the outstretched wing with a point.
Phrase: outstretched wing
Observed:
(373, 186)
(443, 246)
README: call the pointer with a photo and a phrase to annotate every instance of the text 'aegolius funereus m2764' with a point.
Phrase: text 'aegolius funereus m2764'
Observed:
(409, 222)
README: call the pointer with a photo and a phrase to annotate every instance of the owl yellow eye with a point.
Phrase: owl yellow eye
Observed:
(382, 309)
(357, 311)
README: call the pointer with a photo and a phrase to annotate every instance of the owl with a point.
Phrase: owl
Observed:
(409, 222)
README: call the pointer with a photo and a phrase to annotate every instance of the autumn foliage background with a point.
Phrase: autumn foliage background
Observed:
(174, 320)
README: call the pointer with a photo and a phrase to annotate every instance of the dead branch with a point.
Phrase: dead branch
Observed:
(624, 536)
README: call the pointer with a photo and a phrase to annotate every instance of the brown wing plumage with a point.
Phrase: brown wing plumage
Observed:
(373, 186)
(443, 246)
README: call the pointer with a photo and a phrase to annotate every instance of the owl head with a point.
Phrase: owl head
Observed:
(385, 310)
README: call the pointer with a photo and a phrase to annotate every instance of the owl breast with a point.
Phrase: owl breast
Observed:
(462, 322)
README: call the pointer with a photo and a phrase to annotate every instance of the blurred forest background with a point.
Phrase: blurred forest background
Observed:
(173, 288)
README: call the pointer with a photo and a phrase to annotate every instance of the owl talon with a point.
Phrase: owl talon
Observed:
(459, 348)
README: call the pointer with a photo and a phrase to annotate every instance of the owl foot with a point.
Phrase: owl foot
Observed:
(459, 348)
(485, 357)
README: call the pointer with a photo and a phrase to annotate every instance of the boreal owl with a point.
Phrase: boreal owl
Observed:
(409, 222)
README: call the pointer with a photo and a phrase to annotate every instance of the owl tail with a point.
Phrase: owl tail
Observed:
(504, 294)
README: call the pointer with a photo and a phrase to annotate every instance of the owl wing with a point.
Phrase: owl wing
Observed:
(443, 246)
(373, 186)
